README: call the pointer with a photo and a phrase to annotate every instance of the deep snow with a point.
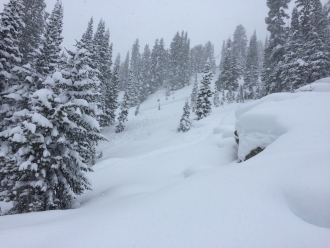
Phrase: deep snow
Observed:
(158, 188)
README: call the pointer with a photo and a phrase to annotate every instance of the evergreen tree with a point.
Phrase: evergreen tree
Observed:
(241, 94)
(194, 95)
(203, 104)
(47, 56)
(124, 73)
(197, 60)
(135, 60)
(52, 149)
(34, 19)
(275, 50)
(113, 98)
(240, 48)
(261, 54)
(314, 30)
(87, 37)
(208, 55)
(223, 53)
(228, 77)
(145, 73)
(230, 96)
(179, 72)
(185, 122)
(295, 69)
(223, 98)
(106, 118)
(131, 99)
(154, 73)
(162, 62)
(123, 114)
(251, 76)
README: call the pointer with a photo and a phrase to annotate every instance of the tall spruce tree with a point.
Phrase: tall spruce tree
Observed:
(185, 122)
(145, 73)
(113, 98)
(194, 95)
(208, 55)
(203, 104)
(228, 77)
(273, 63)
(295, 70)
(124, 73)
(34, 19)
(179, 72)
(251, 75)
(240, 48)
(47, 56)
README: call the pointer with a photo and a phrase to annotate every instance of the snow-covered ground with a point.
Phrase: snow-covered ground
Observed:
(156, 188)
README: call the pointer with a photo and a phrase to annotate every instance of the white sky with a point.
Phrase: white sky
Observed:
(204, 20)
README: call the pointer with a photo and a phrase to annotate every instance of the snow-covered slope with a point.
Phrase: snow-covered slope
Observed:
(158, 188)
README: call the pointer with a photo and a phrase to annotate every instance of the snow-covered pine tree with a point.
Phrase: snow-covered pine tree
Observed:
(230, 96)
(273, 63)
(251, 75)
(145, 73)
(106, 118)
(203, 104)
(162, 62)
(179, 72)
(124, 73)
(240, 48)
(46, 58)
(130, 93)
(208, 55)
(222, 58)
(87, 37)
(154, 73)
(113, 98)
(185, 122)
(295, 71)
(197, 59)
(261, 54)
(34, 19)
(241, 93)
(83, 87)
(228, 77)
(52, 149)
(135, 59)
(194, 95)
(316, 45)
(11, 25)
(135, 67)
(123, 114)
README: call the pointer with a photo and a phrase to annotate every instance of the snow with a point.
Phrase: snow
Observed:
(41, 120)
(322, 85)
(155, 187)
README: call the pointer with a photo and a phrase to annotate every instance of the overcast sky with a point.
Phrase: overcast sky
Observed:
(204, 20)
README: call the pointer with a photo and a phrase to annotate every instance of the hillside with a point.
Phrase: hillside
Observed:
(157, 188)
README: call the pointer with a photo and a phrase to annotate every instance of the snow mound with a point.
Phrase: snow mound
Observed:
(294, 129)
(321, 85)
